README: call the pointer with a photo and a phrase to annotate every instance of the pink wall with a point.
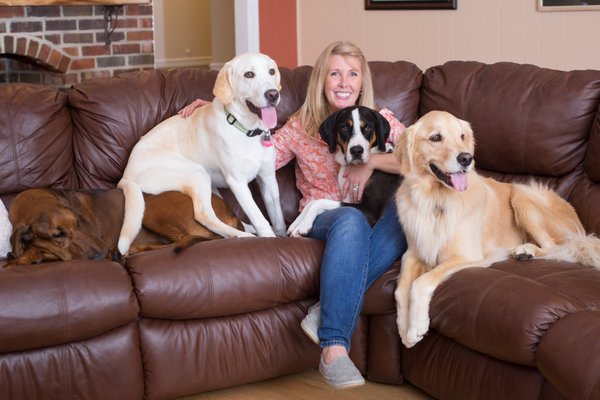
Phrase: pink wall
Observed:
(277, 27)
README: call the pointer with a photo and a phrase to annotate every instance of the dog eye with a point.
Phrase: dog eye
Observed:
(272, 71)
(249, 74)
(435, 137)
(27, 237)
(462, 137)
(59, 234)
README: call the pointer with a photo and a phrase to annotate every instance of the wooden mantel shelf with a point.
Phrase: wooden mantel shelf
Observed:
(70, 3)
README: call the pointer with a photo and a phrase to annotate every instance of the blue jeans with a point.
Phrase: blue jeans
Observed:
(355, 256)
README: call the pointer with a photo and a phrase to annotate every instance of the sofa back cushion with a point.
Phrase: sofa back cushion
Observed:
(35, 138)
(397, 87)
(110, 115)
(585, 196)
(528, 121)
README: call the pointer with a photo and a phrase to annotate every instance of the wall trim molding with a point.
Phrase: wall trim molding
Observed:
(183, 62)
(247, 38)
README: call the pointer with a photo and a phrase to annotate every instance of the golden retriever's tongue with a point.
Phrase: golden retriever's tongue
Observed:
(459, 181)
(269, 117)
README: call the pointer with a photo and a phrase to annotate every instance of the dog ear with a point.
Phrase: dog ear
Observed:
(404, 149)
(278, 77)
(327, 133)
(383, 131)
(21, 237)
(222, 89)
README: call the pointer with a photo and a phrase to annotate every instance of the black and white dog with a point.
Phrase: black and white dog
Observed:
(354, 132)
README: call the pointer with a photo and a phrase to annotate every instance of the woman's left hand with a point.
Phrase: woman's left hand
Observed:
(356, 176)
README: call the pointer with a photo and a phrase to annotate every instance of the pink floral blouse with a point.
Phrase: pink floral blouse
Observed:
(316, 168)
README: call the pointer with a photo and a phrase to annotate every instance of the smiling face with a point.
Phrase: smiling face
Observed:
(439, 146)
(343, 82)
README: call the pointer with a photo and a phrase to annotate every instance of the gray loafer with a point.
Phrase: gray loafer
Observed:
(341, 373)
(311, 323)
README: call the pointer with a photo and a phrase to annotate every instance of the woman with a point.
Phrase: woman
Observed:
(355, 254)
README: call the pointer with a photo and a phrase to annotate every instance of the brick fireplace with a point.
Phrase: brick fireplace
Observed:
(62, 45)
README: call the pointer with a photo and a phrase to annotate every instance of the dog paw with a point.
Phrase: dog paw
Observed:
(264, 233)
(246, 234)
(525, 251)
(416, 330)
(300, 226)
(301, 229)
(411, 338)
(414, 334)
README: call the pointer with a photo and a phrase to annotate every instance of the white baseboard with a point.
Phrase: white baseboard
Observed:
(182, 62)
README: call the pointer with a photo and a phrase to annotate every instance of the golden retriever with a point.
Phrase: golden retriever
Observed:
(455, 219)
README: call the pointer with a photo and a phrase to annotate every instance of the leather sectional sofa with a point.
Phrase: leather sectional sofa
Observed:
(227, 312)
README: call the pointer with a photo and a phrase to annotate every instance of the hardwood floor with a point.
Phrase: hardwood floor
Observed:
(309, 385)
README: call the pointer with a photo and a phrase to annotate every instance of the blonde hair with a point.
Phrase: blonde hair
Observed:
(315, 107)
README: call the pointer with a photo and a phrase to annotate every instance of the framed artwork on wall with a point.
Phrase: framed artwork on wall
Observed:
(410, 4)
(567, 5)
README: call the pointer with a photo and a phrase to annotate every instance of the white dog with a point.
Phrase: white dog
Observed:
(5, 230)
(225, 143)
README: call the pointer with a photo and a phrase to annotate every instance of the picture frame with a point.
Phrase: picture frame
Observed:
(410, 4)
(568, 5)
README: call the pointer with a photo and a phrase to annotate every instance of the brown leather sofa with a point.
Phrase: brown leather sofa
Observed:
(227, 312)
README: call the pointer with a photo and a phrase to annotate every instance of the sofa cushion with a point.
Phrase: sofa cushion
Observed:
(193, 356)
(110, 115)
(568, 355)
(505, 311)
(446, 370)
(62, 302)
(36, 136)
(397, 86)
(527, 120)
(585, 196)
(294, 84)
(226, 277)
(106, 366)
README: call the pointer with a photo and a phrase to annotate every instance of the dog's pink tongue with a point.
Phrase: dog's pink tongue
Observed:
(459, 181)
(269, 117)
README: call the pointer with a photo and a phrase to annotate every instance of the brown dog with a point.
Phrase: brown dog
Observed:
(51, 224)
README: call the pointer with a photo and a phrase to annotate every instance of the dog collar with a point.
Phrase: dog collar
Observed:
(232, 120)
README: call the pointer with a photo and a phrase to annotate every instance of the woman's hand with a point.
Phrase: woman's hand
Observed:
(356, 176)
(189, 109)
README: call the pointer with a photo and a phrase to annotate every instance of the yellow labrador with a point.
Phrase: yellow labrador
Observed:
(455, 219)
(225, 143)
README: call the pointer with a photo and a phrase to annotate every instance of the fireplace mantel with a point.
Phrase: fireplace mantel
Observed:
(69, 3)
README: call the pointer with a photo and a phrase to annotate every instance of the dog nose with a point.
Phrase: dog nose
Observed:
(465, 159)
(272, 95)
(356, 152)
